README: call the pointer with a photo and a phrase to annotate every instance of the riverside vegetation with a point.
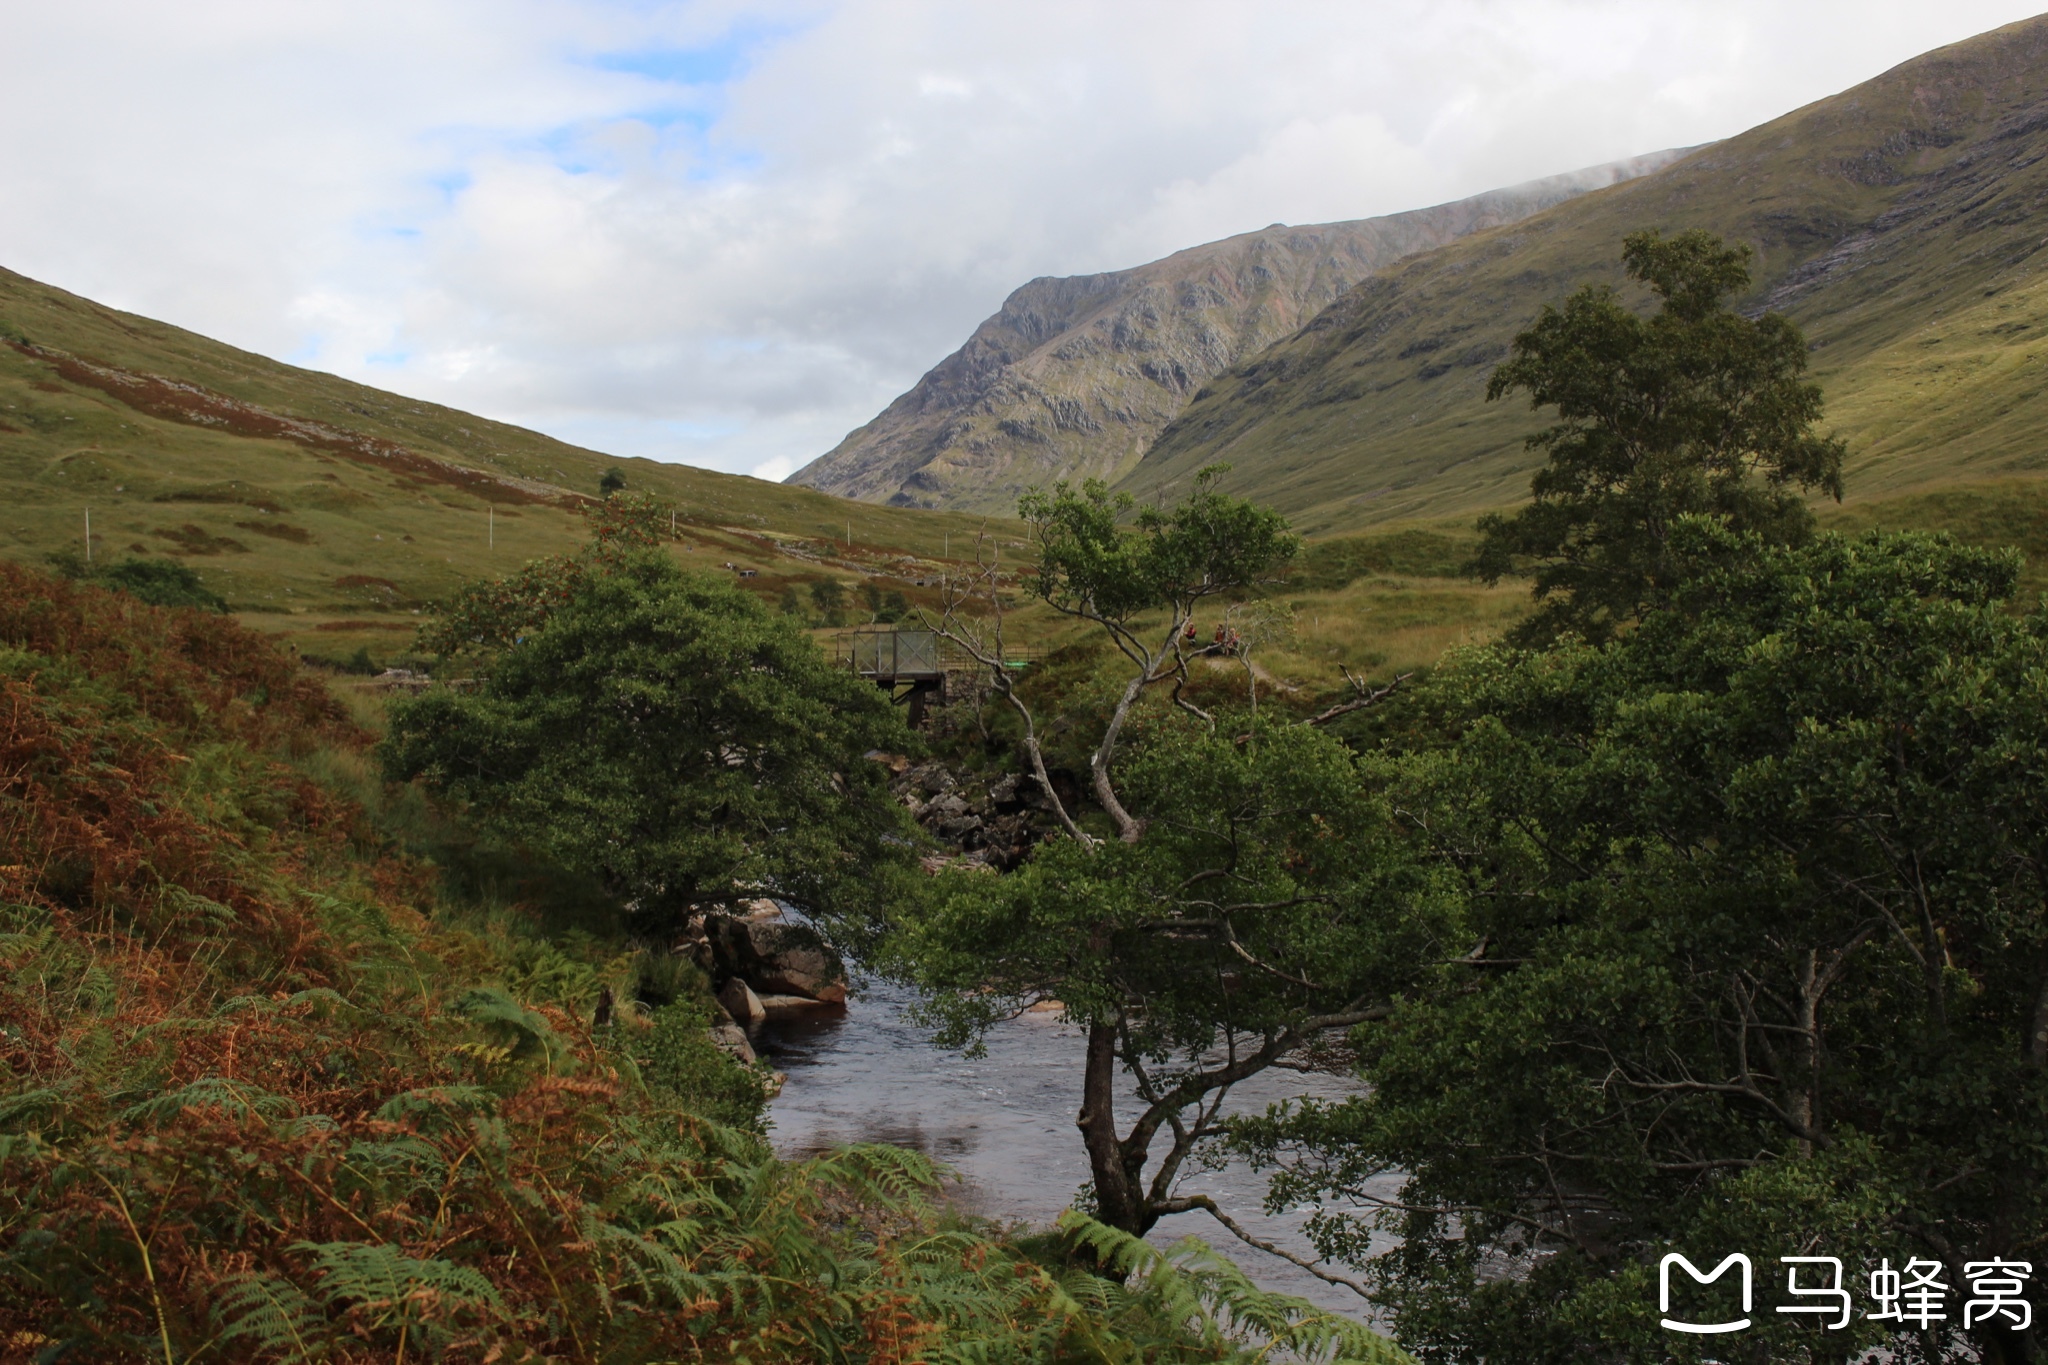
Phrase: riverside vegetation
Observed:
(1705, 912)
(298, 1067)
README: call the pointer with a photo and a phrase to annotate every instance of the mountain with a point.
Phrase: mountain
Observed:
(1899, 222)
(1074, 377)
(326, 510)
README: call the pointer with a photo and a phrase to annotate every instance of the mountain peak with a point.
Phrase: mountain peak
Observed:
(1075, 375)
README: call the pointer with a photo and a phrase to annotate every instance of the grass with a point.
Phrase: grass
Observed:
(1991, 513)
(337, 542)
(328, 512)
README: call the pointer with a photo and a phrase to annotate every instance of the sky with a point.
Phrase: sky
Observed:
(726, 233)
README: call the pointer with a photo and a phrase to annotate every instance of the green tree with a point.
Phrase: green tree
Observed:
(612, 482)
(1693, 410)
(484, 619)
(828, 595)
(883, 608)
(1239, 899)
(159, 582)
(1254, 919)
(1754, 957)
(668, 733)
(1139, 579)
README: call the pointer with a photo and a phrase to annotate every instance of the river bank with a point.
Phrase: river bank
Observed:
(1005, 1122)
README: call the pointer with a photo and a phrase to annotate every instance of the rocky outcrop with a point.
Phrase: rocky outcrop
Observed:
(992, 820)
(764, 969)
(1074, 376)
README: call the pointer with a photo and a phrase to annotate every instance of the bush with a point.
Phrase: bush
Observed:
(159, 582)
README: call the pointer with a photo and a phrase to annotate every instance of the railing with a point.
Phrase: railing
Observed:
(884, 652)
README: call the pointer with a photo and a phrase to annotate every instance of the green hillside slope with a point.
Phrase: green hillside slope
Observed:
(329, 510)
(1898, 222)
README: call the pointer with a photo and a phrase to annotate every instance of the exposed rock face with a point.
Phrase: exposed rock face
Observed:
(732, 1039)
(762, 963)
(1075, 376)
(993, 822)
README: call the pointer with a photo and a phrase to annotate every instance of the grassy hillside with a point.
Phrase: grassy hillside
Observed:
(1896, 222)
(329, 511)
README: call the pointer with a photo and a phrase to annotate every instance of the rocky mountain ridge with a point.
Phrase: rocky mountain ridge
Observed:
(1073, 377)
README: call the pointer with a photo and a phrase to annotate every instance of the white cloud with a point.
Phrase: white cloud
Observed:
(728, 232)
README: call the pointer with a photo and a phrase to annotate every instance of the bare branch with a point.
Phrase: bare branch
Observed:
(1188, 1203)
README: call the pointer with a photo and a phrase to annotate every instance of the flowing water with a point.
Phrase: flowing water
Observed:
(1005, 1123)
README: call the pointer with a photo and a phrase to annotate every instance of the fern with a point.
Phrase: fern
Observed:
(29, 1107)
(272, 1315)
(238, 1098)
(396, 1169)
(526, 1031)
(437, 1108)
(187, 908)
(384, 1289)
(1195, 1289)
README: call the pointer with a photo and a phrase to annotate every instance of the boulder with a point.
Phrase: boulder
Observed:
(951, 806)
(775, 958)
(787, 1008)
(731, 1039)
(801, 969)
(741, 1003)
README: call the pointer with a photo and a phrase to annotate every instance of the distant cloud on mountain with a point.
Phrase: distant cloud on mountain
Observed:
(727, 233)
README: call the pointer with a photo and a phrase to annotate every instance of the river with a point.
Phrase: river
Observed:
(1005, 1123)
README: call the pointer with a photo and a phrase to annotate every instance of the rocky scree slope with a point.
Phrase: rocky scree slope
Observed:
(1899, 222)
(1074, 376)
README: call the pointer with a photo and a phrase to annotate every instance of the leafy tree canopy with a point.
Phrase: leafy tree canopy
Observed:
(484, 619)
(1098, 561)
(1252, 904)
(1754, 958)
(1695, 409)
(667, 732)
(1257, 913)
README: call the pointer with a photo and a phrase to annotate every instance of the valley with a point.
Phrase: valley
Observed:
(439, 934)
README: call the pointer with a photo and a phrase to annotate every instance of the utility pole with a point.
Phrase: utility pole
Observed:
(88, 535)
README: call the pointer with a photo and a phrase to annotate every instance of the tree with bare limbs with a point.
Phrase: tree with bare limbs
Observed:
(1229, 904)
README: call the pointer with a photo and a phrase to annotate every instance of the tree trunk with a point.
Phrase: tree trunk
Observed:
(1119, 1193)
